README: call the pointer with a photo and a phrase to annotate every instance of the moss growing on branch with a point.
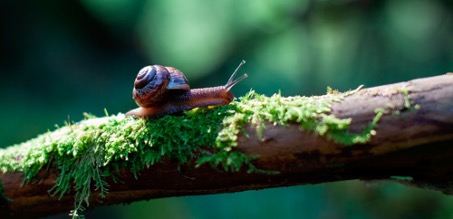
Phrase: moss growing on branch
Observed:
(90, 151)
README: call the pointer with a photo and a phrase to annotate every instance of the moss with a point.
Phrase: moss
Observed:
(408, 104)
(407, 97)
(90, 151)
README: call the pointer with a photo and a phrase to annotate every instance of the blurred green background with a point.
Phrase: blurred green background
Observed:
(62, 58)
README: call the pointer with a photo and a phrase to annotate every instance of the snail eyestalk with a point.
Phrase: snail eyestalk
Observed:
(231, 82)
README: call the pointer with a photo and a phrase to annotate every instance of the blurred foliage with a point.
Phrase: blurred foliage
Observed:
(62, 58)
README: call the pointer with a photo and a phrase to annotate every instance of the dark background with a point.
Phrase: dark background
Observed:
(59, 59)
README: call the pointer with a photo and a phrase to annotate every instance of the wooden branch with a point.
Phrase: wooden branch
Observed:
(413, 139)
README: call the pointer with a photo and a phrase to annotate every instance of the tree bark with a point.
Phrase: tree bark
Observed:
(411, 142)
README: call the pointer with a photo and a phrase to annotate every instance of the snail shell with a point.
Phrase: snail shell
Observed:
(152, 82)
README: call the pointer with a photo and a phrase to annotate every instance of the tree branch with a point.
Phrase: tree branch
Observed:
(411, 143)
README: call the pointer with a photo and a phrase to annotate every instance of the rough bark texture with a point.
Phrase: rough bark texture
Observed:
(414, 143)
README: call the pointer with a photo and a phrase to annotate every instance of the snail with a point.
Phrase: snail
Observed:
(161, 90)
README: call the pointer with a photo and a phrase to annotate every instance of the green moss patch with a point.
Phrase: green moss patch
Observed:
(88, 152)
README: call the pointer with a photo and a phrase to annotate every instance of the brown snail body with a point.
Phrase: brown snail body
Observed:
(160, 90)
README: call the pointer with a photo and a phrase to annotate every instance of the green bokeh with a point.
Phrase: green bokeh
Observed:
(62, 58)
